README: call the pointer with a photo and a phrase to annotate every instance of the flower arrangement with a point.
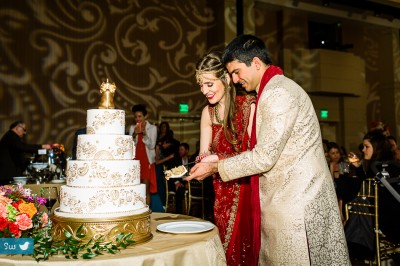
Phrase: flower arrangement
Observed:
(19, 212)
(20, 217)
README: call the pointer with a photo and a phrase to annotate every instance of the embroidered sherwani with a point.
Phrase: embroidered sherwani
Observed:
(300, 217)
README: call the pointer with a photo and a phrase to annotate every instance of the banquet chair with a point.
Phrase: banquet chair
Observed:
(170, 200)
(196, 196)
(367, 204)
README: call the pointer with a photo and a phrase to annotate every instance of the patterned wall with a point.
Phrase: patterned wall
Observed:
(55, 54)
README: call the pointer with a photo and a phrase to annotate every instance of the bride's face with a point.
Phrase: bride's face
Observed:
(213, 88)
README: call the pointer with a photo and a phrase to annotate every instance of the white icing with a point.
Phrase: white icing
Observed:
(105, 147)
(99, 217)
(105, 121)
(102, 200)
(104, 181)
(103, 173)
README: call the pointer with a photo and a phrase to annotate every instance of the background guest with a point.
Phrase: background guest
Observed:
(145, 136)
(12, 152)
(180, 184)
(164, 133)
(334, 158)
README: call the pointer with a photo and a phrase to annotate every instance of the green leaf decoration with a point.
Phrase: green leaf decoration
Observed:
(73, 248)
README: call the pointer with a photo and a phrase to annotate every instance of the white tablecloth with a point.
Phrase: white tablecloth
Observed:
(164, 249)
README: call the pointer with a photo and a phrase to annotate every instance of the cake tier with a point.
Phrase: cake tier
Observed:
(105, 147)
(119, 200)
(103, 173)
(105, 121)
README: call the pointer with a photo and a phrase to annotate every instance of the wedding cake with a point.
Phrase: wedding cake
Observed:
(103, 184)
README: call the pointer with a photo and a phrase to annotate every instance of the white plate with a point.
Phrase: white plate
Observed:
(185, 227)
(57, 181)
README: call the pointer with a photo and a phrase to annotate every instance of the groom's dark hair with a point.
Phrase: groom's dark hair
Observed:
(244, 48)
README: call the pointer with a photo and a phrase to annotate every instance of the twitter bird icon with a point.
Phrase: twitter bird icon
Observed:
(24, 246)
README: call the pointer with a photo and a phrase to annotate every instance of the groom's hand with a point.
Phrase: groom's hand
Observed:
(208, 166)
(202, 170)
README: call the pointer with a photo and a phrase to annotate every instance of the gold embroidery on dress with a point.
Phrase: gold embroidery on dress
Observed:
(232, 217)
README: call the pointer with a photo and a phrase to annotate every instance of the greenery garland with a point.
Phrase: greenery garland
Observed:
(74, 248)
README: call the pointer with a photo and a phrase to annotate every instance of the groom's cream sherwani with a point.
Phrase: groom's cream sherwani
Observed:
(300, 221)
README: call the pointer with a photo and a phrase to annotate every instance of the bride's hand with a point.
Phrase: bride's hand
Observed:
(210, 159)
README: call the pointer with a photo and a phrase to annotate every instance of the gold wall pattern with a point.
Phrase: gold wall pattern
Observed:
(55, 54)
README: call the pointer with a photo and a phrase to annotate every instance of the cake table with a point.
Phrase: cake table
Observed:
(201, 249)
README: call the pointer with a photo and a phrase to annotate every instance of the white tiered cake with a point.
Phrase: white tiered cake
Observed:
(103, 191)
(104, 181)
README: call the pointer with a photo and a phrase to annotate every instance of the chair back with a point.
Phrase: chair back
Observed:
(367, 204)
(196, 195)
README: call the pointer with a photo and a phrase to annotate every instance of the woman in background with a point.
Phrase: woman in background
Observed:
(359, 229)
(145, 136)
(225, 130)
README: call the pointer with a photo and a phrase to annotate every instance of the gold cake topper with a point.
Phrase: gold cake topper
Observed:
(107, 91)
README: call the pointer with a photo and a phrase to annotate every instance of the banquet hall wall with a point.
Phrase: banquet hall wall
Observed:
(55, 54)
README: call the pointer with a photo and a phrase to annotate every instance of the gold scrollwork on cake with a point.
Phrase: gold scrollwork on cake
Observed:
(123, 145)
(103, 155)
(85, 150)
(106, 229)
(102, 198)
(90, 130)
(108, 118)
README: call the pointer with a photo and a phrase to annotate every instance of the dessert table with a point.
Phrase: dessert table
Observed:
(164, 249)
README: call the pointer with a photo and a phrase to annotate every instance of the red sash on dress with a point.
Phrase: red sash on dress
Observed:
(254, 181)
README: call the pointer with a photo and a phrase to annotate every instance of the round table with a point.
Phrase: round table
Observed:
(164, 249)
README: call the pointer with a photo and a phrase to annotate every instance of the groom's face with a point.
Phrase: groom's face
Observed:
(242, 74)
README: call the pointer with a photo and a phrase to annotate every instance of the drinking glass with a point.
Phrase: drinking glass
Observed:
(51, 196)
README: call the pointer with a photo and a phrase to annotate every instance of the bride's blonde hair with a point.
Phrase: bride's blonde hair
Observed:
(211, 63)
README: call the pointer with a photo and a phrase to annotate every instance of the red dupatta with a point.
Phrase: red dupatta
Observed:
(254, 181)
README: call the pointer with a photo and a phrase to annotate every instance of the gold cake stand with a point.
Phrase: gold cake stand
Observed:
(108, 229)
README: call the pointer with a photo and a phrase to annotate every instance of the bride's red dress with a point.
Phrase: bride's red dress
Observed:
(232, 209)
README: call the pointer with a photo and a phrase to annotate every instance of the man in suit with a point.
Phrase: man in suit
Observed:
(12, 149)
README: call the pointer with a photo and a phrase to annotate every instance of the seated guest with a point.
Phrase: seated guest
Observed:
(12, 149)
(180, 184)
(164, 132)
(394, 147)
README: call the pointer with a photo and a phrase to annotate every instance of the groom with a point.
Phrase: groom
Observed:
(300, 221)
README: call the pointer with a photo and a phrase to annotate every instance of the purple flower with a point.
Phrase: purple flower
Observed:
(30, 198)
(41, 201)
